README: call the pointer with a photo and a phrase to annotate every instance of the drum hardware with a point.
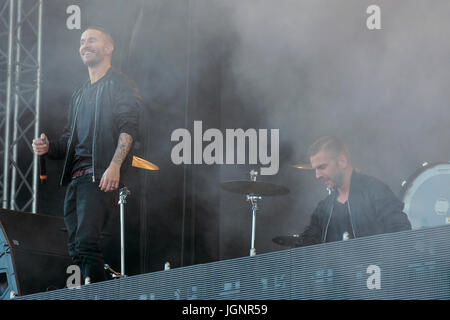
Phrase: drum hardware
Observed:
(288, 241)
(254, 187)
(426, 195)
(254, 201)
(345, 236)
(123, 193)
(114, 274)
(143, 164)
(304, 166)
(254, 191)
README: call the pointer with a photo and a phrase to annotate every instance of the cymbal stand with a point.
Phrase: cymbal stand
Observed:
(124, 192)
(254, 202)
(114, 274)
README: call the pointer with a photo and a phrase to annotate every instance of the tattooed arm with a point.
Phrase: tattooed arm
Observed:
(111, 177)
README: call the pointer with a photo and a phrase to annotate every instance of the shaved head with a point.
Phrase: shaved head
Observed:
(105, 33)
(332, 145)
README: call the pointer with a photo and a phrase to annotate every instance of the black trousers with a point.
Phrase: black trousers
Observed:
(86, 211)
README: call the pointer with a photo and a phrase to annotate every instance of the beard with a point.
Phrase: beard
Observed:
(335, 181)
(338, 180)
(94, 59)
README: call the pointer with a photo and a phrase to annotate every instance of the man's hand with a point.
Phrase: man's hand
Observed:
(110, 179)
(40, 146)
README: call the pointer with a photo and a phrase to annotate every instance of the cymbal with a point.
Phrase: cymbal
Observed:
(304, 166)
(143, 164)
(288, 241)
(259, 188)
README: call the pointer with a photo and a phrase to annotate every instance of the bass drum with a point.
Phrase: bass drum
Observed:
(426, 195)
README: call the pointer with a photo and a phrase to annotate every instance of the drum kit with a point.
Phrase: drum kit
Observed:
(254, 191)
(426, 195)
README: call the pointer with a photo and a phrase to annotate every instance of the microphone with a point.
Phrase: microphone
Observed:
(42, 167)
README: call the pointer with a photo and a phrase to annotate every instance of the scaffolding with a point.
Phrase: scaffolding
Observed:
(20, 84)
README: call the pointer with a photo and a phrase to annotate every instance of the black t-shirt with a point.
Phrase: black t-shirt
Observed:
(339, 223)
(85, 128)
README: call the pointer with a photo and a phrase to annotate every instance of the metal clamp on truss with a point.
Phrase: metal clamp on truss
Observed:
(6, 249)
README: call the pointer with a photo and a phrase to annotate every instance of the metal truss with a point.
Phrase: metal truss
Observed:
(20, 81)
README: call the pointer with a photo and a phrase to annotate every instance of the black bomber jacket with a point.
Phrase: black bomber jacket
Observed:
(117, 110)
(372, 206)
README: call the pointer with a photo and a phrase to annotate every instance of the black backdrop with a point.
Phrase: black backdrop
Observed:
(309, 68)
(170, 211)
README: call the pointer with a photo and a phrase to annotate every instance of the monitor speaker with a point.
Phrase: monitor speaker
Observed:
(33, 253)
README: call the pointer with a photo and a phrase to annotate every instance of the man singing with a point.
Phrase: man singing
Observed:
(102, 125)
(358, 205)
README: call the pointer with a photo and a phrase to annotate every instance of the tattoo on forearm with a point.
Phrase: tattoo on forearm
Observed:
(123, 147)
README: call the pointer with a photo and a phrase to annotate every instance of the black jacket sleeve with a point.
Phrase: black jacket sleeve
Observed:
(389, 209)
(127, 108)
(313, 232)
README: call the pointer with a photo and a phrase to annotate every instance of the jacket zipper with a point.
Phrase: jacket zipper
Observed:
(328, 222)
(69, 142)
(351, 220)
(329, 219)
(95, 132)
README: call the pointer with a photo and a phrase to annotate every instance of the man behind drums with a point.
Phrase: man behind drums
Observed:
(358, 205)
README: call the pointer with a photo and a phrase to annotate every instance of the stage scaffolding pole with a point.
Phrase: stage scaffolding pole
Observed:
(22, 102)
(6, 55)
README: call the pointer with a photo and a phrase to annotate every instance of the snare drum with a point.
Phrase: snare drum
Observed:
(426, 195)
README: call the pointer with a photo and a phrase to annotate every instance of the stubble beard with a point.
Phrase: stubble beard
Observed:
(97, 59)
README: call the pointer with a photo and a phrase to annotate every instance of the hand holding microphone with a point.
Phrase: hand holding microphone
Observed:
(40, 147)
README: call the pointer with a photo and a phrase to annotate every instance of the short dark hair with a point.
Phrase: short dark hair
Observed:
(330, 144)
(102, 30)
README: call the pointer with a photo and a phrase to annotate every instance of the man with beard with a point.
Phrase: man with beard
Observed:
(102, 125)
(357, 206)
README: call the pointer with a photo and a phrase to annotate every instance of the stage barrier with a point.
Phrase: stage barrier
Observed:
(405, 265)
